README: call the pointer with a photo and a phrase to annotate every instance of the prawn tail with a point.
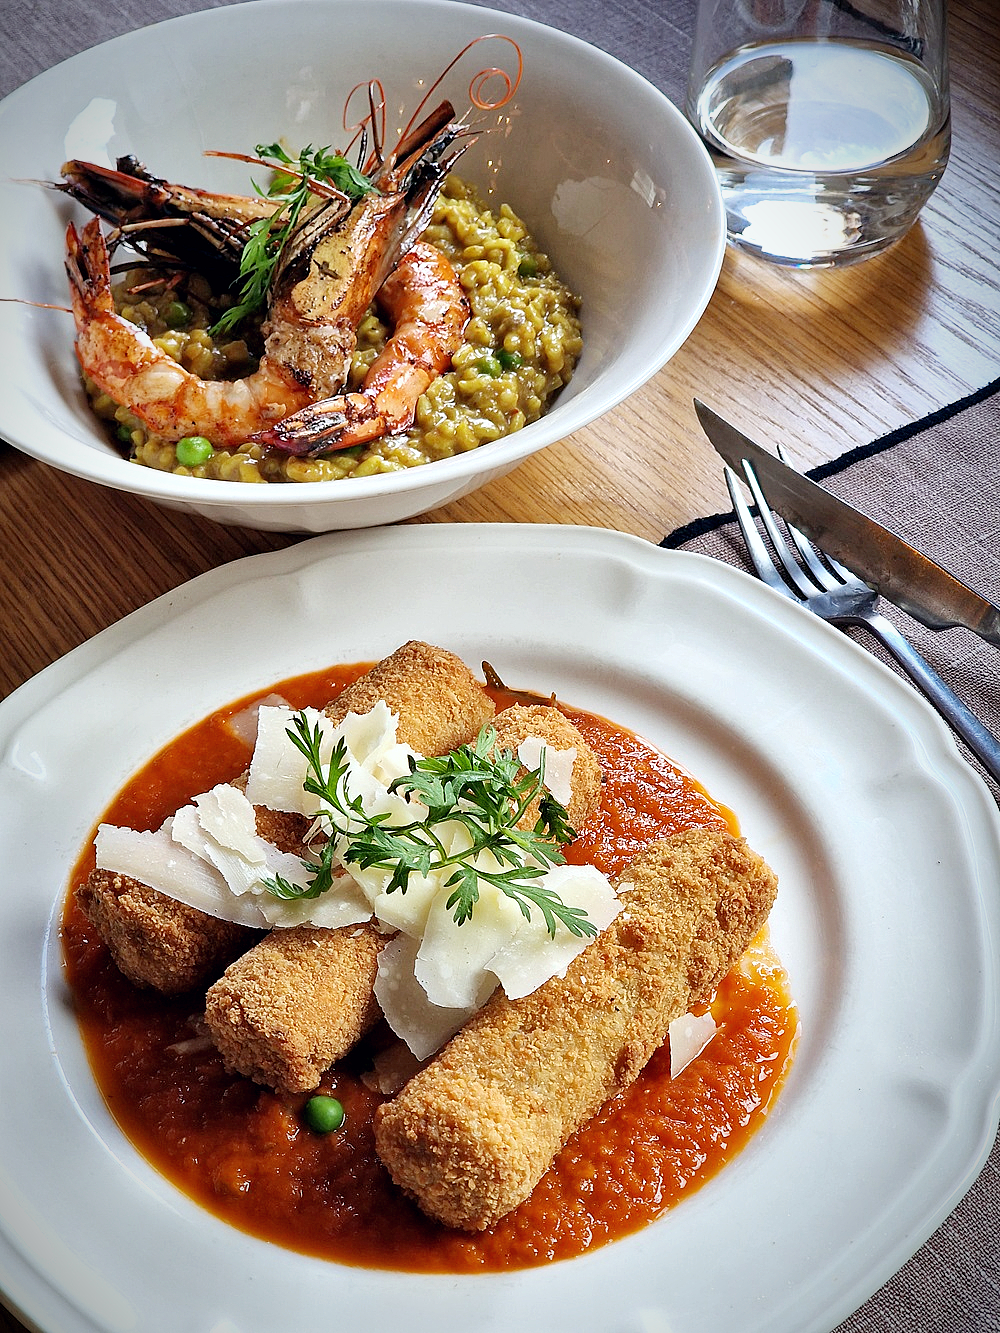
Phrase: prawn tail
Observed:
(425, 301)
(88, 268)
(332, 424)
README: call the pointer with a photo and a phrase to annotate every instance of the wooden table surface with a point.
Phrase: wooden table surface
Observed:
(821, 361)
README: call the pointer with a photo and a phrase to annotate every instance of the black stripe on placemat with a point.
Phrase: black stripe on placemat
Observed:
(699, 527)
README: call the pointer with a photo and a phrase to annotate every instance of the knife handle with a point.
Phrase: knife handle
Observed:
(978, 737)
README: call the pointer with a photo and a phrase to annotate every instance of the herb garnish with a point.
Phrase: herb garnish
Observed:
(485, 792)
(315, 171)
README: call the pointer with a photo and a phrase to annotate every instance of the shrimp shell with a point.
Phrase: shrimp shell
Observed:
(424, 300)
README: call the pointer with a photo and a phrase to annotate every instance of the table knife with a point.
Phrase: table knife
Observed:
(886, 562)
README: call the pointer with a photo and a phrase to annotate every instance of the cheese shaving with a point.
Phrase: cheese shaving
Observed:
(689, 1035)
(434, 974)
(558, 765)
(243, 725)
(424, 1026)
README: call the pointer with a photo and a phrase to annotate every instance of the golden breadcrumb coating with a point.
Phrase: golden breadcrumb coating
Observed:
(295, 1003)
(156, 941)
(285, 829)
(471, 1135)
(440, 703)
(171, 947)
(301, 999)
(515, 724)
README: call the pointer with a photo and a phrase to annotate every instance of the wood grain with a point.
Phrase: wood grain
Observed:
(821, 361)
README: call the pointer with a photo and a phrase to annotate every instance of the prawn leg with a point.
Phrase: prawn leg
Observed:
(169, 223)
(424, 301)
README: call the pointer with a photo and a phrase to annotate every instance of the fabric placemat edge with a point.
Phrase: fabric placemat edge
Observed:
(699, 527)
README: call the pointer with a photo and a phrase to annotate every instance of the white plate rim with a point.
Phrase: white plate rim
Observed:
(632, 580)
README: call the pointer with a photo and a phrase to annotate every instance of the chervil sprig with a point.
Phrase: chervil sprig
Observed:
(483, 790)
(295, 183)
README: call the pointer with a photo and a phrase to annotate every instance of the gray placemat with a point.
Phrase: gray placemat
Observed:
(937, 483)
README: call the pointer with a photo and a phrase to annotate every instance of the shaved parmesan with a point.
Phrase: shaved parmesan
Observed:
(157, 860)
(209, 856)
(342, 905)
(435, 973)
(400, 911)
(689, 1035)
(425, 1027)
(278, 769)
(226, 815)
(243, 725)
(558, 766)
(372, 745)
(454, 961)
(531, 957)
(220, 826)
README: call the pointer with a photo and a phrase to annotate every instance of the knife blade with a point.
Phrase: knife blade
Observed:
(890, 565)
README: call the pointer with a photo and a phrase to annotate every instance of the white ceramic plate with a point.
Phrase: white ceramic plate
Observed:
(609, 176)
(887, 849)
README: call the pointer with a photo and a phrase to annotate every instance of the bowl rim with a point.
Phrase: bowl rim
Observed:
(94, 464)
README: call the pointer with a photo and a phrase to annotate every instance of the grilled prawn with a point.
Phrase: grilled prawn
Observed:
(336, 258)
(424, 301)
(333, 265)
(126, 364)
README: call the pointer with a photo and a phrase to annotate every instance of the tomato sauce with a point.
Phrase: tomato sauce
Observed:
(246, 1154)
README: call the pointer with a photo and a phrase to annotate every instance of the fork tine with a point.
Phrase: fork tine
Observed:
(839, 569)
(792, 570)
(814, 559)
(820, 564)
(756, 549)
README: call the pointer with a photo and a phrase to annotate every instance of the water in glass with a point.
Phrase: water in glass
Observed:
(825, 151)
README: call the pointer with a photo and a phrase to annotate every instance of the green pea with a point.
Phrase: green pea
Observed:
(193, 449)
(510, 360)
(176, 315)
(528, 267)
(489, 365)
(324, 1114)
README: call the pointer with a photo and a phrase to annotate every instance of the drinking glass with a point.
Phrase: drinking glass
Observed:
(827, 120)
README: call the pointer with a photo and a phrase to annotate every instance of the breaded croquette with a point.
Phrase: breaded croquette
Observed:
(295, 1003)
(162, 943)
(471, 1135)
(438, 700)
(155, 940)
(252, 1011)
(515, 724)
(302, 998)
(167, 945)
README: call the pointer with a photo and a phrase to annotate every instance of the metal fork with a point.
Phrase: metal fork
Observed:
(825, 587)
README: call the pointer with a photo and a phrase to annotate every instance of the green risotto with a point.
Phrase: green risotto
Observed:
(521, 345)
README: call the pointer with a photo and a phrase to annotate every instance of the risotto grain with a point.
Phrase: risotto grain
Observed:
(521, 345)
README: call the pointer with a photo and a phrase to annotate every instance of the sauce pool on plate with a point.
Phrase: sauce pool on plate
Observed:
(248, 1155)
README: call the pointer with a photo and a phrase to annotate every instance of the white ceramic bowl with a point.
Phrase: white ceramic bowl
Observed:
(607, 173)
